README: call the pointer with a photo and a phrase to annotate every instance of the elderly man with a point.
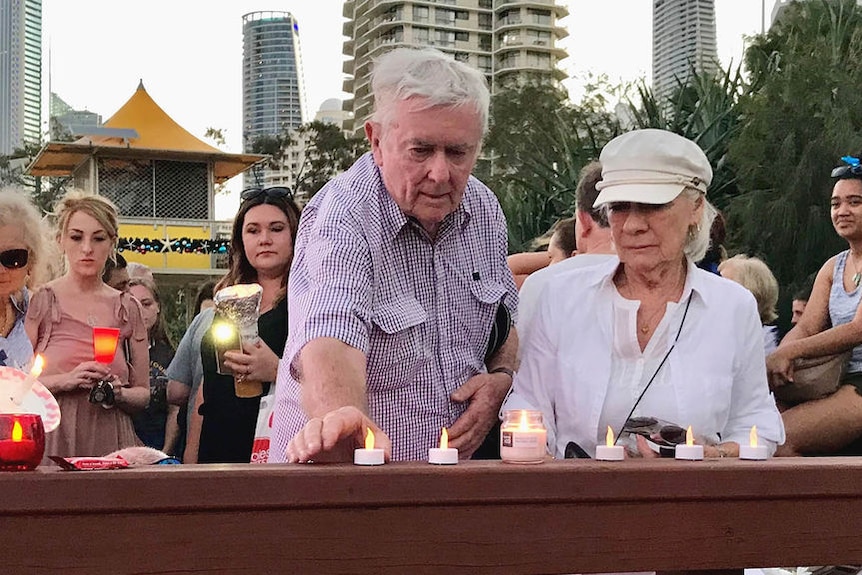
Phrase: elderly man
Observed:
(399, 273)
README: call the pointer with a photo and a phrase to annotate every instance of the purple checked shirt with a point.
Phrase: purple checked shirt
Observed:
(420, 310)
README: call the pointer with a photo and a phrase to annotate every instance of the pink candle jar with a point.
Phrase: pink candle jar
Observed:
(523, 437)
(22, 441)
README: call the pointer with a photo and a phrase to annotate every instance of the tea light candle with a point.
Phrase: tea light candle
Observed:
(609, 451)
(443, 455)
(22, 441)
(752, 450)
(369, 455)
(523, 437)
(689, 451)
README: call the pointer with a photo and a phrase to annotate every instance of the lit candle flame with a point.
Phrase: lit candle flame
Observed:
(369, 439)
(17, 431)
(444, 439)
(38, 365)
(609, 440)
(752, 437)
(524, 424)
(689, 436)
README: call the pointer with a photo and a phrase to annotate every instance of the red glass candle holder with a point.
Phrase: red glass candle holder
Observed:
(105, 343)
(22, 441)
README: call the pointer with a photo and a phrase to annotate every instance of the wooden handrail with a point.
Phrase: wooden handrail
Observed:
(571, 516)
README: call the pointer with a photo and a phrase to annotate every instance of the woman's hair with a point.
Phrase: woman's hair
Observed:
(16, 210)
(205, 292)
(99, 208)
(158, 333)
(426, 73)
(755, 276)
(697, 242)
(240, 270)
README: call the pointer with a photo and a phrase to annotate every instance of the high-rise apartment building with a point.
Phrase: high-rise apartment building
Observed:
(272, 84)
(683, 38)
(20, 73)
(503, 38)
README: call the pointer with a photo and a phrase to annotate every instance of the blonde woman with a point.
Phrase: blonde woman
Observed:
(22, 263)
(754, 275)
(60, 324)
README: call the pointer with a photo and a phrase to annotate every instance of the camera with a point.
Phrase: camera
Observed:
(103, 393)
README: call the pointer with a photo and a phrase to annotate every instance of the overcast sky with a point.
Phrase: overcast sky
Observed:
(189, 53)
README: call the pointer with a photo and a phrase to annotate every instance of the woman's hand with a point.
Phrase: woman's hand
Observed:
(257, 362)
(779, 368)
(85, 375)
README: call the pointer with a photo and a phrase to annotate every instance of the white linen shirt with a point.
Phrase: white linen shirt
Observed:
(716, 372)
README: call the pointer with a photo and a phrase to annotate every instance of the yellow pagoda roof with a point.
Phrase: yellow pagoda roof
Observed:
(140, 128)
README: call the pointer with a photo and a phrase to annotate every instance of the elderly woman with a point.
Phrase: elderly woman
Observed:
(831, 323)
(22, 249)
(754, 275)
(649, 336)
(60, 325)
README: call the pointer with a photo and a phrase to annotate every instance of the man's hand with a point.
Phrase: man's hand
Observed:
(333, 437)
(486, 393)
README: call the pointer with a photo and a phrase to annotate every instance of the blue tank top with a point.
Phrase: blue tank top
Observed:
(842, 307)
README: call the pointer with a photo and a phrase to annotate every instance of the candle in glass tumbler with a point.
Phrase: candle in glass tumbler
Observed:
(523, 438)
(22, 441)
(752, 450)
(443, 455)
(609, 451)
(689, 451)
(370, 455)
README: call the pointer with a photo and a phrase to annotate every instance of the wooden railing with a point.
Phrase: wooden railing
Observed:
(477, 517)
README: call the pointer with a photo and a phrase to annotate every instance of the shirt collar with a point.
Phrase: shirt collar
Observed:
(695, 282)
(20, 302)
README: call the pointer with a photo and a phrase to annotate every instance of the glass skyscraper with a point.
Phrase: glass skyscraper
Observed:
(272, 87)
(683, 39)
(20, 73)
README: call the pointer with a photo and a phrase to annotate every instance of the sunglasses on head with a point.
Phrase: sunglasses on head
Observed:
(273, 192)
(853, 169)
(14, 259)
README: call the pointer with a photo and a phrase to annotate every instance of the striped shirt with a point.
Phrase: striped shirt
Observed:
(420, 310)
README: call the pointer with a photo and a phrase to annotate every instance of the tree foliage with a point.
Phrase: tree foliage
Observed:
(802, 112)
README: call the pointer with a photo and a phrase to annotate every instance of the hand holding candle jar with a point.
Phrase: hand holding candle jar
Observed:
(370, 455)
(609, 451)
(689, 451)
(752, 450)
(240, 304)
(523, 437)
(443, 455)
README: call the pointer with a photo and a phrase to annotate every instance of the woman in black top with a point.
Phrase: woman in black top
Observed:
(261, 251)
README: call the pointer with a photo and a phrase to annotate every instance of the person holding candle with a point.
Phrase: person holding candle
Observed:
(261, 251)
(638, 336)
(830, 324)
(60, 324)
(22, 266)
(399, 278)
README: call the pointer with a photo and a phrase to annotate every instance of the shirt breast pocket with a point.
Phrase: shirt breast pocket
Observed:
(486, 298)
(396, 352)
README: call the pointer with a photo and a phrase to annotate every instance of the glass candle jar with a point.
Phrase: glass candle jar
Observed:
(22, 441)
(523, 437)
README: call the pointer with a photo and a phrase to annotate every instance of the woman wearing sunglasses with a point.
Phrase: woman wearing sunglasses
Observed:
(261, 250)
(650, 339)
(96, 399)
(830, 324)
(22, 251)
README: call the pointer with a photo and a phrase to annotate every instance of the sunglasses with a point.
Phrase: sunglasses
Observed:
(273, 192)
(14, 259)
(662, 433)
(853, 169)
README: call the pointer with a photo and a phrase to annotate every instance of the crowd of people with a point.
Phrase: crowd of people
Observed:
(389, 303)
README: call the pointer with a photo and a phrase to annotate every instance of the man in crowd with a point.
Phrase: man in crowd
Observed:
(592, 236)
(399, 274)
(116, 274)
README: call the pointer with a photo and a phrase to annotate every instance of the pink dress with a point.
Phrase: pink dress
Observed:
(86, 429)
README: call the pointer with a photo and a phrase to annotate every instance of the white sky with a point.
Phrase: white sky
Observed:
(189, 53)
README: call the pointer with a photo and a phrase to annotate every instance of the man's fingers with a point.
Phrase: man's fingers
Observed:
(470, 387)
